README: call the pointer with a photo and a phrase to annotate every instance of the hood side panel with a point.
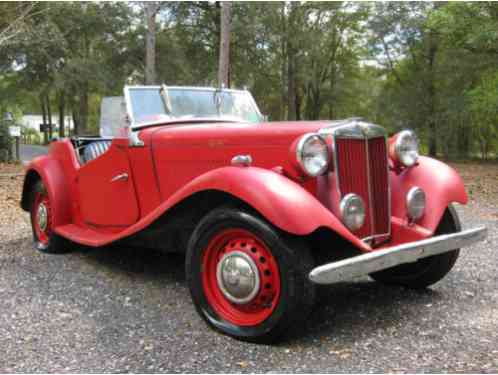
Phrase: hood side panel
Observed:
(182, 153)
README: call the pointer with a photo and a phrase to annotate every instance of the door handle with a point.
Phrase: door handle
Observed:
(120, 177)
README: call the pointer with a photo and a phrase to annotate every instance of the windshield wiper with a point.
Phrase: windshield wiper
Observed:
(165, 97)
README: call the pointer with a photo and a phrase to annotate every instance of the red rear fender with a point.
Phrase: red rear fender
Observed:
(51, 173)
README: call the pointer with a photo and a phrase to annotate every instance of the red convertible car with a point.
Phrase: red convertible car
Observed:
(264, 211)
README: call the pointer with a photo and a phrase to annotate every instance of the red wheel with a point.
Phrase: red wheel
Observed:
(46, 240)
(246, 278)
(41, 217)
(241, 278)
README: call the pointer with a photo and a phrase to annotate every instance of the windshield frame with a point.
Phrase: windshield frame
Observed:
(138, 125)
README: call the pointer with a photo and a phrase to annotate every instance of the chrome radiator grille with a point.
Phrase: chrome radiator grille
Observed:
(362, 168)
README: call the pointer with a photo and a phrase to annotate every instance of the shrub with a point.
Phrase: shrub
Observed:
(5, 142)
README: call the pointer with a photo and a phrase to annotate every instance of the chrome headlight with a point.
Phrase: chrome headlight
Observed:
(312, 154)
(415, 203)
(406, 148)
(352, 211)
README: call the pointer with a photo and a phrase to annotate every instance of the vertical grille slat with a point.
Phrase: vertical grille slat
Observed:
(379, 183)
(362, 169)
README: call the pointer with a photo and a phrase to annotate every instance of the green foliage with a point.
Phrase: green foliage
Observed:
(423, 65)
(483, 105)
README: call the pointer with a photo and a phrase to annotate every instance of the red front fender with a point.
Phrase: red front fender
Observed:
(280, 200)
(442, 186)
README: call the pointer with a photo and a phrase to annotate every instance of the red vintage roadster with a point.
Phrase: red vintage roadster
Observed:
(264, 211)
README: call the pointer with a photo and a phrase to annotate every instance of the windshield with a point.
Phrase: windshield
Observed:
(155, 104)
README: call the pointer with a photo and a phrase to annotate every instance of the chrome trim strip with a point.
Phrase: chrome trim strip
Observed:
(390, 257)
(370, 197)
(355, 129)
(242, 160)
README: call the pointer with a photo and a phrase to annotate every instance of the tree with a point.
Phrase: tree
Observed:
(420, 65)
(483, 101)
(93, 58)
(407, 47)
(15, 20)
(5, 141)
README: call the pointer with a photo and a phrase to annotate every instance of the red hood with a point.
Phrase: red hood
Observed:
(182, 152)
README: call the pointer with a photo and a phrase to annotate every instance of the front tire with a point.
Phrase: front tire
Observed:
(247, 279)
(44, 238)
(426, 271)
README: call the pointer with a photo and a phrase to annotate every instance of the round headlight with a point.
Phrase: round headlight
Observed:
(415, 203)
(352, 211)
(312, 154)
(406, 148)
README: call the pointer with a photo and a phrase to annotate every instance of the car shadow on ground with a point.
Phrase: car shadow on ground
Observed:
(142, 263)
(347, 310)
(350, 310)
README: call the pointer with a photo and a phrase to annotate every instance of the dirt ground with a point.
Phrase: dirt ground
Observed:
(121, 310)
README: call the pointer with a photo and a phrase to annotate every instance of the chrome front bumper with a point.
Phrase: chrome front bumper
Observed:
(392, 256)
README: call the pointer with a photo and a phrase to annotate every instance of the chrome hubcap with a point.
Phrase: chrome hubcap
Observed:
(238, 277)
(42, 216)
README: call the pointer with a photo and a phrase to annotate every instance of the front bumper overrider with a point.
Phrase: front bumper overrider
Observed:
(392, 256)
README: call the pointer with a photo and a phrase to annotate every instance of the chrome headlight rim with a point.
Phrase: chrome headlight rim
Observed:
(402, 138)
(414, 211)
(300, 151)
(345, 204)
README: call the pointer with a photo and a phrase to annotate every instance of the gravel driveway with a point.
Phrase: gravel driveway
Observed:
(119, 310)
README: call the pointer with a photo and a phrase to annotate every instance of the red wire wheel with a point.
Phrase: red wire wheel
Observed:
(266, 292)
(41, 218)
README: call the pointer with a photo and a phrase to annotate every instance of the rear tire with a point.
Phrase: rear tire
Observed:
(426, 271)
(280, 300)
(45, 239)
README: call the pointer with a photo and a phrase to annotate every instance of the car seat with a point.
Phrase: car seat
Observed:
(95, 149)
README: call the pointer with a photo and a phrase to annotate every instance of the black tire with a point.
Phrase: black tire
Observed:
(297, 293)
(426, 271)
(54, 244)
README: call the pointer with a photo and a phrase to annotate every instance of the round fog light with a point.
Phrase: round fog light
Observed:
(352, 211)
(415, 203)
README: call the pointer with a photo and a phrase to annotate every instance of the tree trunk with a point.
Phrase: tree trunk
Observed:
(291, 85)
(49, 116)
(463, 140)
(431, 97)
(283, 67)
(76, 122)
(151, 9)
(62, 107)
(298, 106)
(224, 63)
(292, 49)
(431, 90)
(44, 116)
(83, 112)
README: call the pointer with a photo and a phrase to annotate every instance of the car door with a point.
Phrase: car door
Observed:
(106, 189)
